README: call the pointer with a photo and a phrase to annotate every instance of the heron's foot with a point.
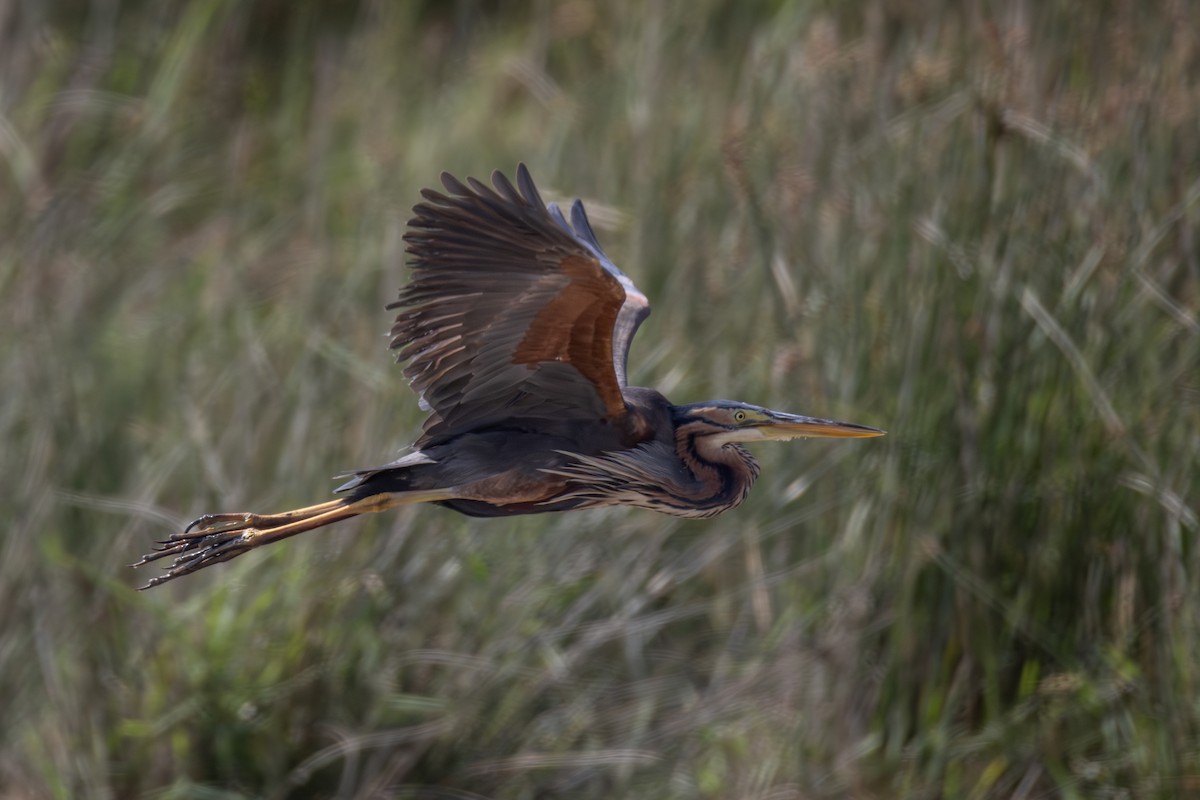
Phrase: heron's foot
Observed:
(209, 540)
(214, 538)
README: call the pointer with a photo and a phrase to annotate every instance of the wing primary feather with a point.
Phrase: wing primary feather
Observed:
(454, 186)
(507, 190)
(528, 189)
(561, 220)
(482, 189)
(583, 228)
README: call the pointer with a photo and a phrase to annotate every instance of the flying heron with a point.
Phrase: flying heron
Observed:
(516, 328)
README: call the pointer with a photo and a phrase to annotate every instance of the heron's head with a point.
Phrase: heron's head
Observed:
(730, 421)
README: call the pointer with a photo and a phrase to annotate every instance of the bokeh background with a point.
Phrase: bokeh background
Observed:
(973, 224)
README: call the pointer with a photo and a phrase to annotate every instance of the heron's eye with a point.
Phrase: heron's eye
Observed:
(739, 416)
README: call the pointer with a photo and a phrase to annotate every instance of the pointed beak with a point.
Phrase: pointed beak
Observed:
(793, 426)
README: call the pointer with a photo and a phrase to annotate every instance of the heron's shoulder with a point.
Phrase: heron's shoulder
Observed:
(647, 415)
(646, 400)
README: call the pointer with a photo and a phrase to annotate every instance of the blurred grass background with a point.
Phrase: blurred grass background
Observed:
(972, 224)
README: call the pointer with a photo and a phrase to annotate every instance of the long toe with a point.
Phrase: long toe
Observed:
(195, 553)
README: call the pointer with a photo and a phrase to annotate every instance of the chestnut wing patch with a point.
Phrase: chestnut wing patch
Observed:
(576, 327)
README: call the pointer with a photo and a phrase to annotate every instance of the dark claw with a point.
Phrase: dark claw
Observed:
(203, 519)
(214, 523)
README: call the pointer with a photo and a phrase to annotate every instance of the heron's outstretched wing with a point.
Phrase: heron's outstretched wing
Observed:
(512, 311)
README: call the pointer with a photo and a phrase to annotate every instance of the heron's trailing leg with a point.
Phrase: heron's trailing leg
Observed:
(221, 523)
(214, 538)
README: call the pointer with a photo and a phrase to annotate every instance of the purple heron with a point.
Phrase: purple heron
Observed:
(515, 328)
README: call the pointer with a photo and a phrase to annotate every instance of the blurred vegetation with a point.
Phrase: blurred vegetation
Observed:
(973, 224)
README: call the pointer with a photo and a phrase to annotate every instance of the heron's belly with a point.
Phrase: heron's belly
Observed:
(523, 489)
(478, 508)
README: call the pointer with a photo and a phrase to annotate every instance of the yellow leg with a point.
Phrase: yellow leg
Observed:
(217, 523)
(214, 538)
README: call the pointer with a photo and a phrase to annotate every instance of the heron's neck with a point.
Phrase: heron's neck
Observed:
(724, 472)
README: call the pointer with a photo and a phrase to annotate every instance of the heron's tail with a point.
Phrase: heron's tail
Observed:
(214, 538)
(403, 474)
